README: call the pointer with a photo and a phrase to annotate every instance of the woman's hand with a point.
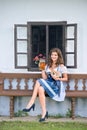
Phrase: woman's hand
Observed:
(57, 76)
(54, 77)
(55, 73)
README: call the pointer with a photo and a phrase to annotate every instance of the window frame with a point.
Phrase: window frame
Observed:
(28, 39)
(47, 24)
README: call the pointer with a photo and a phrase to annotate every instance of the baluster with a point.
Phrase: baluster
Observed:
(84, 81)
(34, 80)
(68, 87)
(76, 87)
(1, 85)
(26, 84)
(10, 83)
(18, 85)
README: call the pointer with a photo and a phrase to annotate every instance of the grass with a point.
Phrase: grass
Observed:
(22, 125)
(20, 113)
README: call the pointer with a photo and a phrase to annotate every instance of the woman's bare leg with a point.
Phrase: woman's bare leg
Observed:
(42, 99)
(35, 92)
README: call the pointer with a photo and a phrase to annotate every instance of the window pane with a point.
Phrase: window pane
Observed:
(70, 32)
(70, 59)
(55, 36)
(70, 46)
(38, 42)
(21, 60)
(35, 46)
(22, 46)
(21, 32)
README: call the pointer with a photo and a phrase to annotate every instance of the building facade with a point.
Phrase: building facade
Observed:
(21, 13)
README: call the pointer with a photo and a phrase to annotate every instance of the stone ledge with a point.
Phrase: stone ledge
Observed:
(50, 119)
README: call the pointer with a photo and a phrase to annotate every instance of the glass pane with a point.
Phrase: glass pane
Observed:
(22, 60)
(22, 46)
(70, 46)
(21, 32)
(70, 32)
(70, 59)
(55, 36)
(38, 42)
(35, 47)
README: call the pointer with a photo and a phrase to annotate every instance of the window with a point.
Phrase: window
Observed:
(39, 37)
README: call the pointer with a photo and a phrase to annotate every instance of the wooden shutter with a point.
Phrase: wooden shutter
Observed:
(71, 45)
(21, 52)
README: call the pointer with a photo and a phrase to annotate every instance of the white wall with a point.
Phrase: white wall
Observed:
(20, 11)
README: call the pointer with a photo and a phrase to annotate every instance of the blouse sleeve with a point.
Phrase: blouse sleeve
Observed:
(63, 69)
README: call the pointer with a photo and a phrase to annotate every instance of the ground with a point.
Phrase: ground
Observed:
(35, 118)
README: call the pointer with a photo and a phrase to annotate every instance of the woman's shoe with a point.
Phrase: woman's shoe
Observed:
(43, 119)
(28, 109)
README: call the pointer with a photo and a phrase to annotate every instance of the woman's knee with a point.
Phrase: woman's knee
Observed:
(41, 90)
(37, 82)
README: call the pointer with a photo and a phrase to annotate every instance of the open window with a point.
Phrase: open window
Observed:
(39, 37)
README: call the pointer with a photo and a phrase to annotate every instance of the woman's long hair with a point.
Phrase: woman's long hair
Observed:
(60, 57)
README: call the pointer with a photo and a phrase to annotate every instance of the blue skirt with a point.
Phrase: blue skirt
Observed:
(54, 89)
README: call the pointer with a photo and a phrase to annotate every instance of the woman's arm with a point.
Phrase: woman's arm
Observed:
(44, 75)
(63, 78)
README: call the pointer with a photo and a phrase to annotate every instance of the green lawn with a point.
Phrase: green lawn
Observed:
(19, 125)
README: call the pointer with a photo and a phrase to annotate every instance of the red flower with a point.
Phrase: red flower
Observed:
(38, 57)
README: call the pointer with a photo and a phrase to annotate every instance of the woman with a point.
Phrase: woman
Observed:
(51, 82)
